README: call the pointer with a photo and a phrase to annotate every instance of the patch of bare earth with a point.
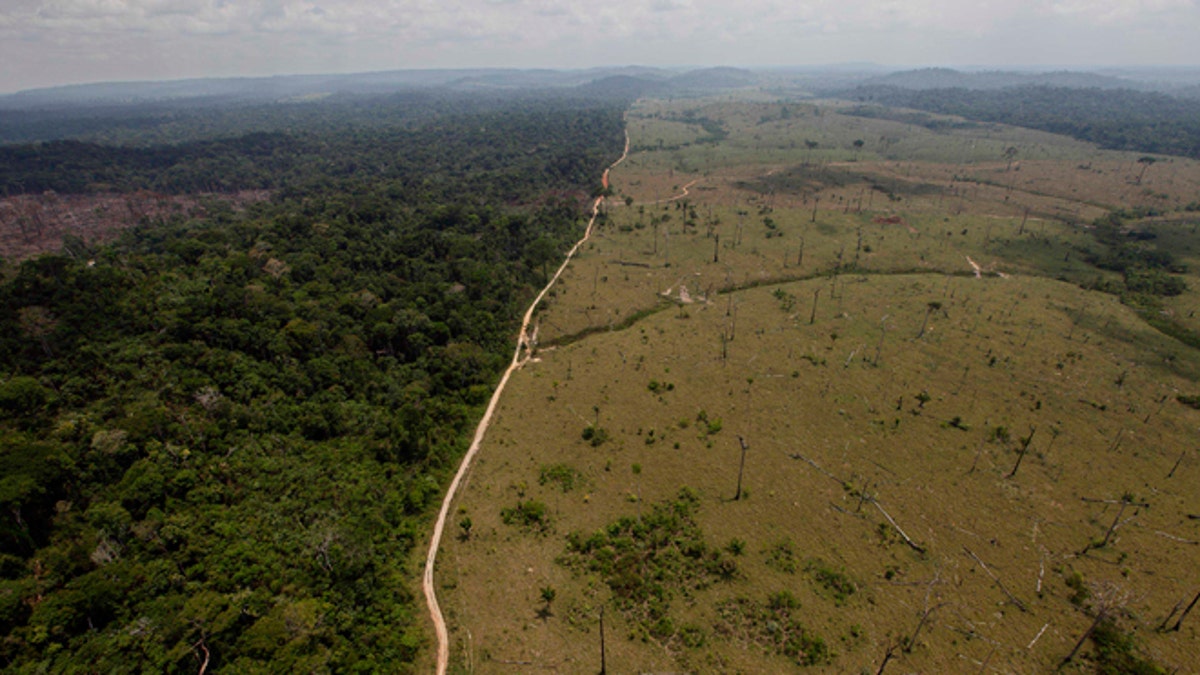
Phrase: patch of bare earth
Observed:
(34, 224)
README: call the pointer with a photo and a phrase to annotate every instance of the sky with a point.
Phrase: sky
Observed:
(53, 42)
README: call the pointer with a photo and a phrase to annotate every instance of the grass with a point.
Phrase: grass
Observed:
(801, 338)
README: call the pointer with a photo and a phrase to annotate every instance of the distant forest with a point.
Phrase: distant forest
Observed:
(220, 436)
(1117, 119)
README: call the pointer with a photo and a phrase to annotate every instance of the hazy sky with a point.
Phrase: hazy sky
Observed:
(47, 42)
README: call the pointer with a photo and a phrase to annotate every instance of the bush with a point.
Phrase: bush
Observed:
(531, 514)
(836, 582)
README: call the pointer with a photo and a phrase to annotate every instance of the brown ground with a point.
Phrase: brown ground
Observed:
(34, 224)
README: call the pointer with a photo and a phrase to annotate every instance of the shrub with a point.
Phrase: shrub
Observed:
(595, 435)
(565, 475)
(530, 514)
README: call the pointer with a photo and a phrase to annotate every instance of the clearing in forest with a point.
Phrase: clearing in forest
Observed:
(868, 394)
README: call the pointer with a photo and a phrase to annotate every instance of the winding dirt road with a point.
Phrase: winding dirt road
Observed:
(520, 356)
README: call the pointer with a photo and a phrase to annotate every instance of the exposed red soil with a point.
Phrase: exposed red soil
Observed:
(34, 224)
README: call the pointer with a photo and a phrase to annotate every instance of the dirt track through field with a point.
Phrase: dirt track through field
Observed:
(522, 353)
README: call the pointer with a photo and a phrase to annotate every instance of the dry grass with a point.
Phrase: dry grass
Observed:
(847, 414)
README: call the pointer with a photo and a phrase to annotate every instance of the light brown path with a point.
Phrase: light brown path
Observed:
(677, 197)
(520, 355)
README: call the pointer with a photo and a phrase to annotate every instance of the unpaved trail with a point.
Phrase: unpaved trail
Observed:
(677, 197)
(520, 356)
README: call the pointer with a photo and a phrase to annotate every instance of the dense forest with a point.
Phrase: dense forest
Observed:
(1118, 119)
(220, 437)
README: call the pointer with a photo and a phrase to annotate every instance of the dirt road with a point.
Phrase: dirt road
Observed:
(520, 356)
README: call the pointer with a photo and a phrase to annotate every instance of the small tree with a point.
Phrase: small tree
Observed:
(1145, 162)
(1010, 155)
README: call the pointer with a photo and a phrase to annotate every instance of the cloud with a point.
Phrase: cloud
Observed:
(1110, 11)
(188, 37)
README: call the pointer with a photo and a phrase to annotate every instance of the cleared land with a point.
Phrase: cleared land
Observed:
(960, 470)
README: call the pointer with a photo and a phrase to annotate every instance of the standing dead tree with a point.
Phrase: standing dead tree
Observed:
(1177, 463)
(1110, 600)
(741, 468)
(1024, 448)
(1124, 502)
(930, 308)
(882, 335)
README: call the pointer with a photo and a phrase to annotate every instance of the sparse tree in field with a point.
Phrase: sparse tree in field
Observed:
(1024, 448)
(813, 317)
(741, 468)
(465, 524)
(930, 308)
(1010, 155)
(1145, 162)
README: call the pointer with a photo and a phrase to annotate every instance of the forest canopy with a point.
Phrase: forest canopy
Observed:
(220, 436)
(1117, 119)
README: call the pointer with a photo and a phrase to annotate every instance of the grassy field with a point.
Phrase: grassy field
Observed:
(948, 470)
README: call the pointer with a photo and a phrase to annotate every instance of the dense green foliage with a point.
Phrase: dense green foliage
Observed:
(220, 438)
(648, 560)
(1148, 271)
(1118, 119)
(500, 156)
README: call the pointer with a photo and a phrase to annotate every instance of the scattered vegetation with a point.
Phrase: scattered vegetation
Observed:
(530, 514)
(774, 625)
(565, 476)
(647, 562)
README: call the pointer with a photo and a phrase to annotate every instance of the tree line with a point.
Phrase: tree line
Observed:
(1118, 119)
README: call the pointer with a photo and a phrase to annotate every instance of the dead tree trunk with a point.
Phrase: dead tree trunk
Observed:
(603, 670)
(1024, 448)
(741, 468)
(1185, 612)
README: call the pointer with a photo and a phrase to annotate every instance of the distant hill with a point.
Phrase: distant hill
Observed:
(291, 87)
(623, 86)
(715, 78)
(946, 78)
